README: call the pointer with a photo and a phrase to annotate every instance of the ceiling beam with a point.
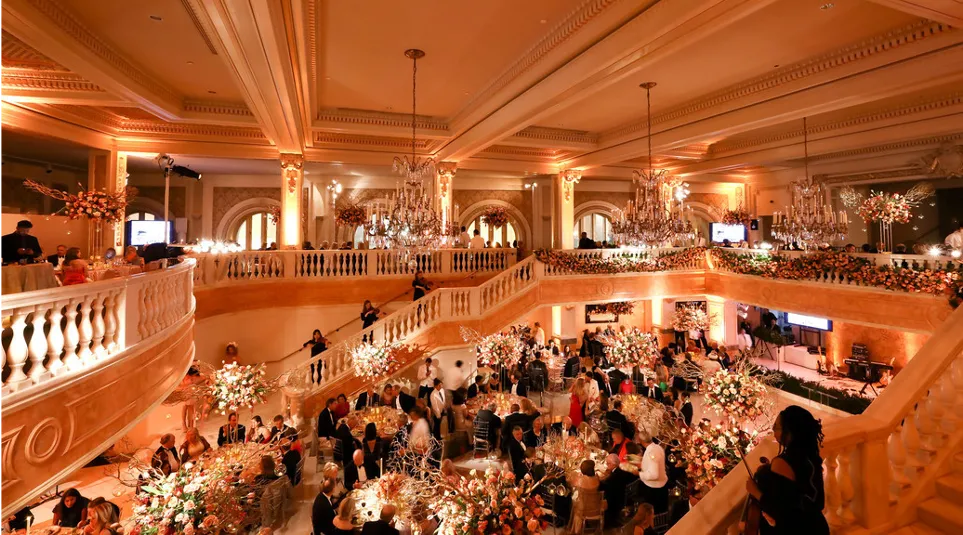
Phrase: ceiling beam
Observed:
(70, 97)
(945, 11)
(663, 29)
(18, 118)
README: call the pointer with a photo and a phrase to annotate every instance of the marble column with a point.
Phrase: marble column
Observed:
(106, 171)
(565, 208)
(292, 176)
(444, 185)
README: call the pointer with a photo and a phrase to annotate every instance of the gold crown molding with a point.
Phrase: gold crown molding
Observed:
(908, 144)
(542, 133)
(368, 141)
(312, 37)
(119, 125)
(100, 116)
(375, 118)
(218, 108)
(16, 53)
(575, 21)
(47, 81)
(70, 25)
(862, 119)
(528, 152)
(905, 172)
(198, 26)
(861, 51)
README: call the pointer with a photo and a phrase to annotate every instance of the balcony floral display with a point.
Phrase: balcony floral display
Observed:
(495, 216)
(98, 206)
(619, 308)
(691, 318)
(593, 265)
(373, 361)
(631, 347)
(739, 216)
(350, 216)
(235, 386)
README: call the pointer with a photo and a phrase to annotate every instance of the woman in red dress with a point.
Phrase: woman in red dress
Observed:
(578, 397)
(75, 268)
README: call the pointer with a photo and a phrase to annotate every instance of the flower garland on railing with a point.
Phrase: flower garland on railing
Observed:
(488, 504)
(887, 208)
(350, 216)
(709, 452)
(855, 269)
(93, 205)
(593, 265)
(375, 362)
(739, 216)
(495, 216)
(738, 396)
(691, 317)
(631, 347)
(619, 308)
(234, 386)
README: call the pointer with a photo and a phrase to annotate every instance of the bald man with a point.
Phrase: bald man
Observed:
(613, 488)
(382, 526)
(358, 472)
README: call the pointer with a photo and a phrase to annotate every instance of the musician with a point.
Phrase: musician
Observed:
(421, 285)
(231, 433)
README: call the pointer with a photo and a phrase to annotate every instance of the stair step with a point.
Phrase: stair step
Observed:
(942, 515)
(950, 488)
(917, 528)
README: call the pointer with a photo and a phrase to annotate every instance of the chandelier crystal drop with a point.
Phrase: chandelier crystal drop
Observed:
(657, 215)
(408, 218)
(809, 220)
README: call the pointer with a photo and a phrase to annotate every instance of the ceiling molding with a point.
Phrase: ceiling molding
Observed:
(873, 176)
(911, 144)
(395, 143)
(189, 8)
(235, 109)
(555, 137)
(44, 80)
(948, 12)
(341, 118)
(17, 54)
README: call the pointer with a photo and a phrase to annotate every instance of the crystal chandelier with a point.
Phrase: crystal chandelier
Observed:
(408, 218)
(657, 215)
(809, 220)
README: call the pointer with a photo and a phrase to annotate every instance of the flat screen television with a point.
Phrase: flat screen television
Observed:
(147, 232)
(811, 322)
(722, 231)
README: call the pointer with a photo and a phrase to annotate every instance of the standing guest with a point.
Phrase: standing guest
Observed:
(421, 285)
(166, 458)
(419, 440)
(58, 259)
(194, 445)
(584, 242)
(578, 396)
(368, 398)
(278, 429)
(743, 341)
(426, 375)
(790, 490)
(319, 344)
(231, 433)
(613, 489)
(383, 526)
(326, 421)
(342, 523)
(72, 509)
(372, 447)
(74, 270)
(686, 408)
(456, 378)
(538, 333)
(230, 352)
(357, 472)
(653, 474)
(291, 459)
(477, 242)
(440, 408)
(341, 407)
(464, 239)
(258, 432)
(322, 512)
(518, 453)
(954, 240)
(19, 246)
(306, 246)
(349, 444)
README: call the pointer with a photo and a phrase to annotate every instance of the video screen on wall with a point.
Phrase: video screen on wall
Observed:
(821, 324)
(147, 232)
(722, 231)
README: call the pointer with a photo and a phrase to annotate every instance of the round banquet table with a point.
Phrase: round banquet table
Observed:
(384, 418)
(113, 272)
(28, 277)
(503, 404)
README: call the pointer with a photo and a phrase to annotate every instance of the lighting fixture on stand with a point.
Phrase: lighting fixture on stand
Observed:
(657, 215)
(809, 220)
(408, 218)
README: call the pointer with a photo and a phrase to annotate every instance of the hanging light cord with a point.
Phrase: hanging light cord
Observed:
(648, 120)
(806, 148)
(414, 103)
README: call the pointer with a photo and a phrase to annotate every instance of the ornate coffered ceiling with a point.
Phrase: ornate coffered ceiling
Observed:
(535, 86)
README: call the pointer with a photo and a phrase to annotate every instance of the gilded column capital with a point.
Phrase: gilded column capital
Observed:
(291, 165)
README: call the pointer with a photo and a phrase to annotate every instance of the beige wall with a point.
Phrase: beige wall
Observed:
(51, 231)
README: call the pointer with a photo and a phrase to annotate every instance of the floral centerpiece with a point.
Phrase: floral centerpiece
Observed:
(691, 317)
(234, 386)
(886, 208)
(499, 350)
(94, 205)
(739, 216)
(488, 504)
(350, 216)
(374, 361)
(631, 347)
(495, 216)
(619, 308)
(567, 453)
(708, 452)
(738, 396)
(592, 265)
(393, 488)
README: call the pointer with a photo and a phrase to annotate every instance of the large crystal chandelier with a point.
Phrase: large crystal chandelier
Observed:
(408, 218)
(657, 215)
(809, 220)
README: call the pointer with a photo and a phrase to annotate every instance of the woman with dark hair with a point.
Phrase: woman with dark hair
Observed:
(790, 489)
(372, 445)
(341, 407)
(318, 344)
(74, 269)
(369, 315)
(72, 509)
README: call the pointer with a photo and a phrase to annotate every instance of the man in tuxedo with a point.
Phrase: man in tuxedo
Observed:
(686, 409)
(537, 435)
(614, 417)
(357, 472)
(322, 512)
(427, 374)
(613, 488)
(440, 408)
(399, 444)
(367, 398)
(539, 373)
(487, 415)
(58, 259)
(565, 428)
(515, 419)
(290, 459)
(166, 458)
(278, 429)
(403, 401)
(383, 525)
(348, 443)
(517, 452)
(516, 387)
(572, 365)
(20, 245)
(652, 391)
(616, 377)
(231, 433)
(476, 387)
(584, 242)
(326, 423)
(602, 380)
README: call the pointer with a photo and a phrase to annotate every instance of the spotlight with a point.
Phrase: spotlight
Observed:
(936, 250)
(955, 253)
(185, 172)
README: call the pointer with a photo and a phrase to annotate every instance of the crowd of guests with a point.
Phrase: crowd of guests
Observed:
(92, 516)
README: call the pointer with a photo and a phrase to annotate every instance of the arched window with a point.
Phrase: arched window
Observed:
(503, 236)
(256, 231)
(598, 226)
(142, 216)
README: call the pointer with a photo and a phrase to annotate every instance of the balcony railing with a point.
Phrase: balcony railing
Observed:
(350, 264)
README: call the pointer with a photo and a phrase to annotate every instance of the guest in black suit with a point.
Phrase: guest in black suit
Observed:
(367, 399)
(572, 366)
(584, 242)
(165, 457)
(322, 512)
(616, 377)
(487, 415)
(605, 388)
(404, 401)
(20, 245)
(537, 435)
(58, 259)
(326, 423)
(515, 419)
(614, 417)
(398, 443)
(358, 471)
(565, 428)
(516, 386)
(596, 348)
(348, 443)
(232, 432)
(518, 452)
(538, 372)
(613, 488)
(652, 391)
(476, 387)
(290, 459)
(686, 409)
(383, 525)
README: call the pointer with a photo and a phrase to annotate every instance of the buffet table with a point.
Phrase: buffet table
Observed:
(27, 278)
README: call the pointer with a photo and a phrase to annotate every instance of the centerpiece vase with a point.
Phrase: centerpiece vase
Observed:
(886, 235)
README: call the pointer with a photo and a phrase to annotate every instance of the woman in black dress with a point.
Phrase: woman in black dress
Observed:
(790, 489)
(372, 446)
(420, 285)
(369, 315)
(318, 344)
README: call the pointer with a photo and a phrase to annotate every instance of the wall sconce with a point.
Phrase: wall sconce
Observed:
(334, 189)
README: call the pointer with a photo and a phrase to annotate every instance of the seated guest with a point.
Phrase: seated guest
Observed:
(331, 472)
(368, 398)
(279, 428)
(58, 259)
(258, 432)
(387, 396)
(341, 407)
(571, 366)
(565, 428)
(403, 401)
(194, 445)
(291, 459)
(74, 270)
(589, 503)
(342, 523)
(326, 421)
(493, 385)
(614, 418)
(268, 471)
(487, 416)
(395, 451)
(613, 489)
(166, 458)
(357, 472)
(517, 453)
(102, 519)
(652, 391)
(18, 521)
(72, 509)
(94, 502)
(131, 257)
(644, 520)
(516, 387)
(476, 387)
(449, 472)
(348, 442)
(515, 419)
(539, 372)
(529, 410)
(231, 433)
(622, 446)
(419, 439)
(382, 526)
(372, 446)
(537, 435)
(322, 512)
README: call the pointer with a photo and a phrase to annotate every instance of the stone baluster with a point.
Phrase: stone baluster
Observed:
(17, 350)
(897, 458)
(38, 343)
(110, 322)
(936, 403)
(911, 441)
(86, 331)
(144, 306)
(926, 424)
(833, 497)
(55, 338)
(71, 336)
(846, 490)
(157, 304)
(97, 323)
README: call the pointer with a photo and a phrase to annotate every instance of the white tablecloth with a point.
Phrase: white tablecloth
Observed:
(27, 278)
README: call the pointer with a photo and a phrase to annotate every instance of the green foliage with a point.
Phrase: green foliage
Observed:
(843, 401)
